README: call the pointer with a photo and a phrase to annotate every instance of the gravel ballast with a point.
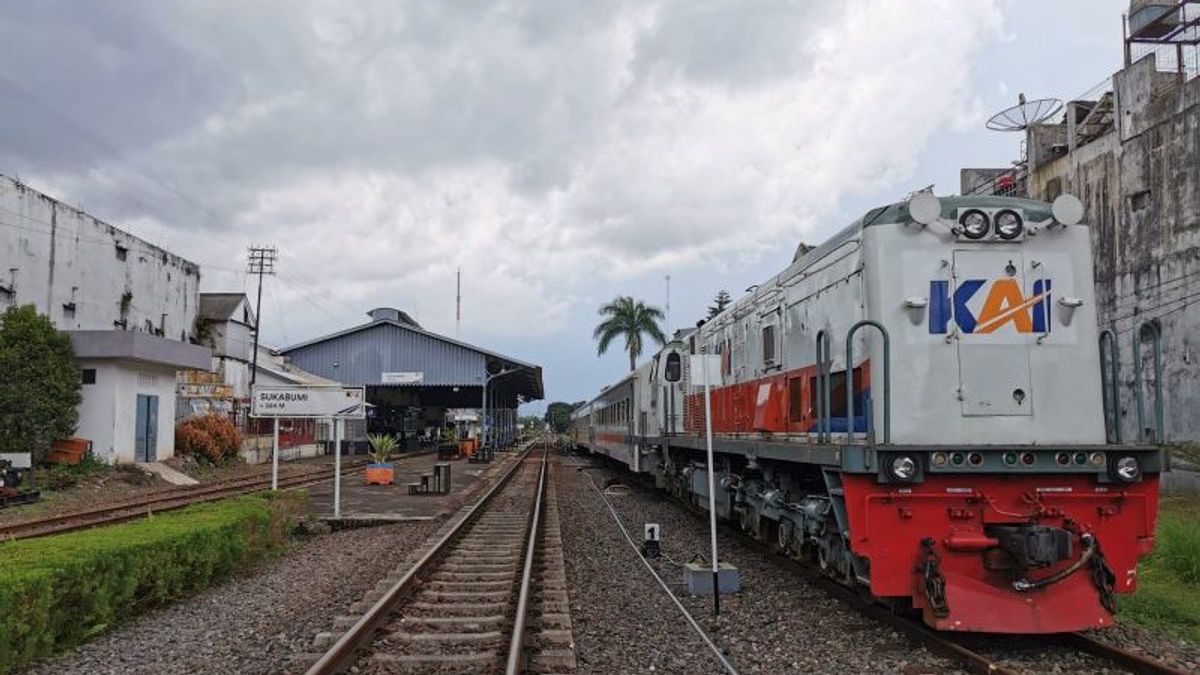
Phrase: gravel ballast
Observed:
(624, 622)
(778, 622)
(254, 623)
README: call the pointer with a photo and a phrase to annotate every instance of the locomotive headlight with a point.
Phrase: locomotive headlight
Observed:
(1127, 469)
(1009, 225)
(903, 468)
(974, 224)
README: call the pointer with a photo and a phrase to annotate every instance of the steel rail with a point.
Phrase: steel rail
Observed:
(342, 655)
(517, 644)
(1137, 663)
(167, 500)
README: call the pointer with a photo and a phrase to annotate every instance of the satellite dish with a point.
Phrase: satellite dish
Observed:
(925, 208)
(1025, 114)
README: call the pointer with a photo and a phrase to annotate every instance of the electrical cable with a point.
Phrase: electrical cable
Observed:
(704, 636)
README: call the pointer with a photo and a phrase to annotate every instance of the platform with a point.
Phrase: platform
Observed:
(389, 503)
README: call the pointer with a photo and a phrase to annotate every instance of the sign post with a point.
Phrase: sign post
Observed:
(709, 367)
(337, 468)
(312, 401)
(275, 456)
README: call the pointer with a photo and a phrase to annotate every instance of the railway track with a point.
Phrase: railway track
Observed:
(988, 654)
(463, 606)
(119, 512)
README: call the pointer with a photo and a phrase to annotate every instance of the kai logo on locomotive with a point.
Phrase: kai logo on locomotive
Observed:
(1004, 305)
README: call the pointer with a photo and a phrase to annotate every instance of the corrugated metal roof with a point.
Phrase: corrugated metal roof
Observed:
(360, 355)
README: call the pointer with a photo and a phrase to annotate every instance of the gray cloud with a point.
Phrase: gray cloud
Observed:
(549, 148)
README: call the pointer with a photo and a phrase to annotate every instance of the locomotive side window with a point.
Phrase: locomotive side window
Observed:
(837, 393)
(768, 344)
(796, 399)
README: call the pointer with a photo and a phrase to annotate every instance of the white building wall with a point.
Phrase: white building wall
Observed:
(108, 413)
(53, 255)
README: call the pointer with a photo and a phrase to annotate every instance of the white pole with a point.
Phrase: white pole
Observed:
(712, 490)
(337, 468)
(275, 457)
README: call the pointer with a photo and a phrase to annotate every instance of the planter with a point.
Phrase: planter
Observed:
(69, 450)
(380, 474)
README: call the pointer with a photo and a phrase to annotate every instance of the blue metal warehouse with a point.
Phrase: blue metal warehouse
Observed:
(414, 376)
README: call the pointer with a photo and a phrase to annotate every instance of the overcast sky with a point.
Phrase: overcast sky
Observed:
(560, 153)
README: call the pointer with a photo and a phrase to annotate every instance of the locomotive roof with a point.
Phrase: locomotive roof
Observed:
(1035, 211)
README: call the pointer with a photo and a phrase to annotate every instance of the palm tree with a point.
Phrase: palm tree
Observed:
(630, 318)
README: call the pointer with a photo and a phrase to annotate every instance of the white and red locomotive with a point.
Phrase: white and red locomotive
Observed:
(964, 465)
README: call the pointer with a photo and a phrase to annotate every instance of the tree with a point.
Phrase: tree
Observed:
(558, 416)
(532, 423)
(630, 319)
(720, 303)
(39, 383)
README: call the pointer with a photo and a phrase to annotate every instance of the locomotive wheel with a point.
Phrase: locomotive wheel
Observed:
(782, 541)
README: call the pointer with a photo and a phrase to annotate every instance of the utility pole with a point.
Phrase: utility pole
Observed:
(458, 302)
(262, 261)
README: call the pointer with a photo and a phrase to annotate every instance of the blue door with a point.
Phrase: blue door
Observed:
(146, 431)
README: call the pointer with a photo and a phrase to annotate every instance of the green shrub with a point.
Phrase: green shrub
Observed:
(1178, 546)
(59, 591)
(39, 383)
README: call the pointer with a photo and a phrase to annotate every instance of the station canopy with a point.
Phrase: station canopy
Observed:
(395, 357)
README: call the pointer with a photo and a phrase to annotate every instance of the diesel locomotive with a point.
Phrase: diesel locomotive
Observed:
(920, 407)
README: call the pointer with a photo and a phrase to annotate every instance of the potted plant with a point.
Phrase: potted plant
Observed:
(380, 471)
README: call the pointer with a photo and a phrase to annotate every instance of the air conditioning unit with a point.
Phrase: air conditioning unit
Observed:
(1152, 18)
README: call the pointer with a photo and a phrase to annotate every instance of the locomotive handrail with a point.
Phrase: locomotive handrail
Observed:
(1113, 385)
(887, 382)
(1139, 339)
(824, 381)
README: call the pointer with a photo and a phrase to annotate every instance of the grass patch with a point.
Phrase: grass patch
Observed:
(1168, 595)
(59, 591)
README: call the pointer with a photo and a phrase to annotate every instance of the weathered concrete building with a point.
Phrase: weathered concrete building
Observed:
(129, 306)
(1132, 155)
(88, 275)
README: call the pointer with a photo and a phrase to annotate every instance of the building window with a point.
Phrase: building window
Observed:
(122, 252)
(88, 375)
(69, 310)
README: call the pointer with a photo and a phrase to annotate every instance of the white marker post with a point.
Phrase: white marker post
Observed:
(705, 364)
(275, 456)
(337, 468)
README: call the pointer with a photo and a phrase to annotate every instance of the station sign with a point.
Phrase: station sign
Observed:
(314, 401)
(402, 378)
